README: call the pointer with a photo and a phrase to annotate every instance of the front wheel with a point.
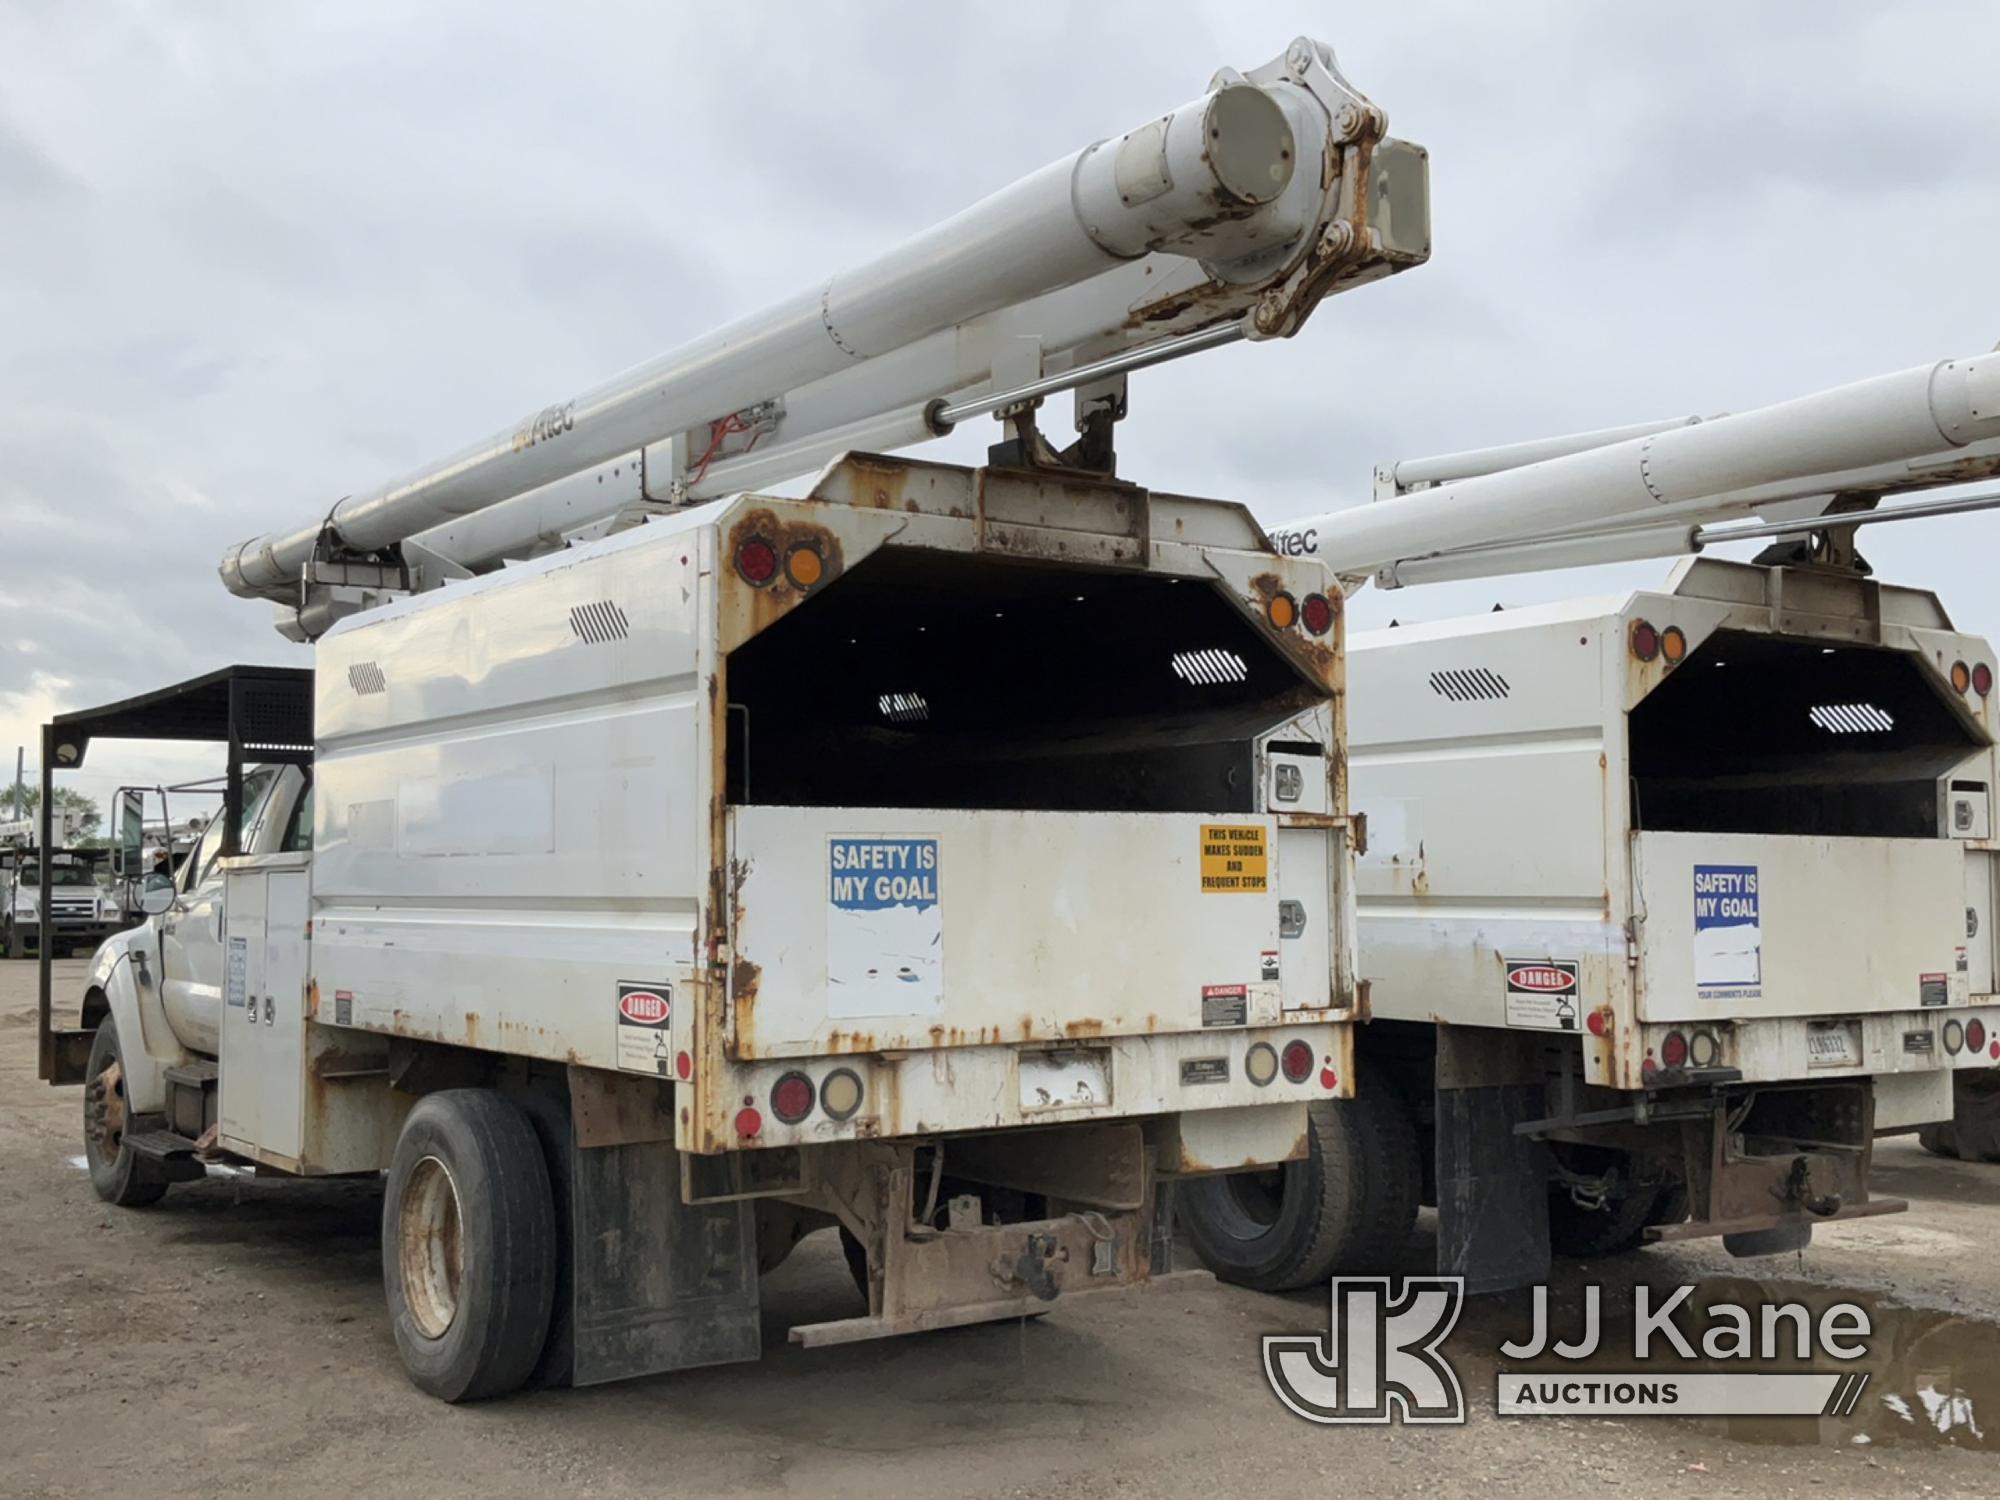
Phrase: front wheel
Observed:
(118, 1173)
(469, 1245)
(1348, 1207)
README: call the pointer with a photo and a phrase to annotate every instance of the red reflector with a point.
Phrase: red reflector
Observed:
(1648, 1068)
(1297, 1061)
(1674, 1050)
(1597, 1024)
(1975, 1035)
(1994, 1051)
(684, 1067)
(748, 1122)
(1982, 679)
(1645, 641)
(792, 1098)
(1328, 1079)
(1317, 613)
(757, 560)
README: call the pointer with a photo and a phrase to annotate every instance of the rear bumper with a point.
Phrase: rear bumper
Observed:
(951, 1090)
(1816, 1048)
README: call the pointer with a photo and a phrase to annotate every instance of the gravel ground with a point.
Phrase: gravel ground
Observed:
(232, 1341)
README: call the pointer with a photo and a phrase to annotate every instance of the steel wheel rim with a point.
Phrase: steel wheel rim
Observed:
(430, 1247)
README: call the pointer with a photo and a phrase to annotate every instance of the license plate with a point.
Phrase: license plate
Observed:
(1832, 1047)
(1074, 1078)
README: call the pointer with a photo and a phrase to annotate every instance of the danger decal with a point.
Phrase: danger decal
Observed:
(644, 1028)
(1543, 993)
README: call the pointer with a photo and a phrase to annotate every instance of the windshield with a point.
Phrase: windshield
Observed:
(61, 875)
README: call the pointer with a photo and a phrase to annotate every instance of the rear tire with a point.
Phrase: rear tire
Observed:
(1973, 1132)
(468, 1245)
(118, 1173)
(1347, 1208)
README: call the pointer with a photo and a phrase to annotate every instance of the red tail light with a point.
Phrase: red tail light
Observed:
(1317, 613)
(1645, 641)
(757, 561)
(1982, 679)
(792, 1098)
(1975, 1035)
(1674, 1050)
(1297, 1061)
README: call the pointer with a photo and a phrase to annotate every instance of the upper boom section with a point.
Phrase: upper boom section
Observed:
(1655, 490)
(1247, 205)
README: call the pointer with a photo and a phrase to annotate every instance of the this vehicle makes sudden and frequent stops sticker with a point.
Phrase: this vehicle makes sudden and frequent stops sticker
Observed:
(645, 1020)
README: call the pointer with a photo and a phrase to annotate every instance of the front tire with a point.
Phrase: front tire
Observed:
(1347, 1208)
(117, 1172)
(469, 1245)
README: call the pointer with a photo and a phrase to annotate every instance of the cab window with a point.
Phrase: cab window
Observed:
(257, 784)
(299, 833)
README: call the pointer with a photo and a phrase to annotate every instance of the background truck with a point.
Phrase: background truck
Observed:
(947, 855)
(82, 911)
(1672, 901)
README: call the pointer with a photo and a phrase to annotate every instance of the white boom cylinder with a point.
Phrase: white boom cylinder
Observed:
(1888, 419)
(1206, 181)
(1442, 467)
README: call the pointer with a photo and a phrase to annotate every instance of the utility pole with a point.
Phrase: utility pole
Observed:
(20, 781)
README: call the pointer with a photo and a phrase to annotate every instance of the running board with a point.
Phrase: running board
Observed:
(174, 1154)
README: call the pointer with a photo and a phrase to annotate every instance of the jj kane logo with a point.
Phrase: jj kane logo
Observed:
(1382, 1358)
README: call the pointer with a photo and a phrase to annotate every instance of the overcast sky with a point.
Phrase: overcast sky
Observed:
(257, 255)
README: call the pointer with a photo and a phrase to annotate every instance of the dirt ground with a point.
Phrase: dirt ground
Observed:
(232, 1341)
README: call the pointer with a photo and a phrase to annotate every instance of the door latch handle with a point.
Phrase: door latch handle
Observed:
(1291, 919)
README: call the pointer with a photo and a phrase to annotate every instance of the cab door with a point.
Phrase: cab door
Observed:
(191, 952)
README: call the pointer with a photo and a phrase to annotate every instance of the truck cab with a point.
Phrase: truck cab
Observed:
(81, 910)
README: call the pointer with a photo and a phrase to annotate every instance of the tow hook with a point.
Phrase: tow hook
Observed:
(1032, 1269)
(1798, 1189)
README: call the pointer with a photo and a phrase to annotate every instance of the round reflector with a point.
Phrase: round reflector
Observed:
(1645, 641)
(1317, 613)
(1282, 611)
(1674, 1050)
(757, 561)
(748, 1122)
(804, 566)
(1673, 643)
(684, 1067)
(1961, 676)
(1982, 679)
(840, 1093)
(1298, 1061)
(792, 1097)
(1954, 1038)
(1260, 1063)
(1598, 1023)
(1704, 1049)
(1975, 1035)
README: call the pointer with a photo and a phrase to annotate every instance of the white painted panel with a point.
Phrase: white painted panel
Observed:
(1744, 925)
(1048, 925)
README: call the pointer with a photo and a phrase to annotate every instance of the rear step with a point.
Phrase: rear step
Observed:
(174, 1154)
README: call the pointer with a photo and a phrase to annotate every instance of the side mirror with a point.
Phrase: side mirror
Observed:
(155, 899)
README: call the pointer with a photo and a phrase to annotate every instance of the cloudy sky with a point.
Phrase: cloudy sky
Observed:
(257, 255)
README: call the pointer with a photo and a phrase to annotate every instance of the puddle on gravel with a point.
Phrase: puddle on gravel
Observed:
(1933, 1376)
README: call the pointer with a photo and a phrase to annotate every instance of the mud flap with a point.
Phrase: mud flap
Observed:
(1492, 1185)
(658, 1284)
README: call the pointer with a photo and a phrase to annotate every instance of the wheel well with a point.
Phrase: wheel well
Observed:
(96, 1006)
